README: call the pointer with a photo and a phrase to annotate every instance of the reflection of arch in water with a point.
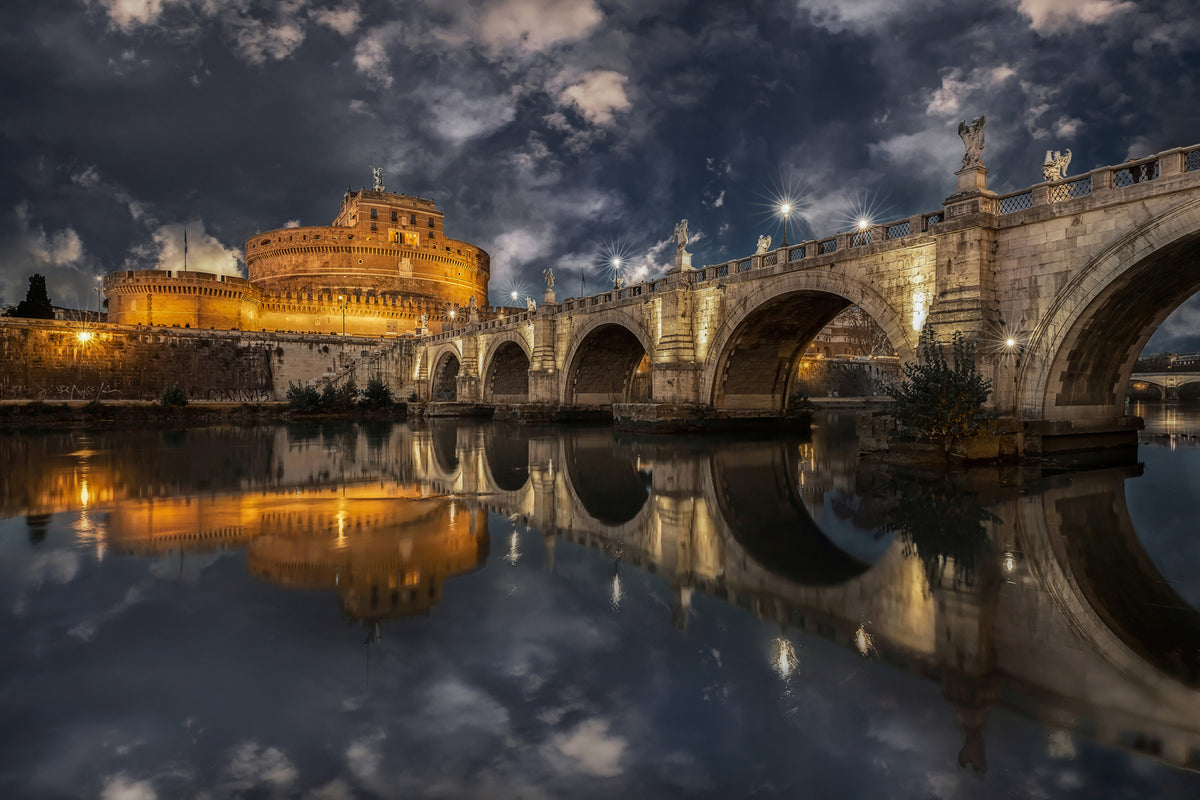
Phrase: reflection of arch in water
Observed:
(755, 491)
(1114, 583)
(604, 476)
(445, 446)
(506, 454)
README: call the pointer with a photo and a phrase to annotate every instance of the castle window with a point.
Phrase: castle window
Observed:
(394, 216)
(374, 213)
(374, 226)
(412, 219)
(431, 222)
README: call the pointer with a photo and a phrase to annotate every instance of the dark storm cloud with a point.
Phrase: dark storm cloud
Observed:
(546, 128)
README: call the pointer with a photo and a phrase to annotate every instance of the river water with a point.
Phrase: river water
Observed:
(477, 610)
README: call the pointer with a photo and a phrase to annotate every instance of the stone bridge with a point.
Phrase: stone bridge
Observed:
(1076, 274)
(1170, 384)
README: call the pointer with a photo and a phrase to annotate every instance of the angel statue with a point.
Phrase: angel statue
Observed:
(972, 136)
(424, 320)
(473, 305)
(1054, 166)
(681, 236)
(377, 174)
(529, 304)
(548, 274)
(764, 244)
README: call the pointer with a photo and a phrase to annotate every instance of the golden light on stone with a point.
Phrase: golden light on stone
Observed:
(783, 657)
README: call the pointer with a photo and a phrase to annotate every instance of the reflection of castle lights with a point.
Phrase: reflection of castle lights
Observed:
(783, 657)
(617, 593)
(84, 494)
(341, 534)
(1010, 562)
(514, 551)
(864, 641)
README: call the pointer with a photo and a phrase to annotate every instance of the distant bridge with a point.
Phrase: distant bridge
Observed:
(1078, 273)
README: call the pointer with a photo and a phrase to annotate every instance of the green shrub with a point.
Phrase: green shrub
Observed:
(378, 394)
(303, 398)
(173, 396)
(939, 402)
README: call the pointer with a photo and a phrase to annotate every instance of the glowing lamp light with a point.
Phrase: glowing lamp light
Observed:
(783, 658)
(785, 208)
(84, 337)
(452, 313)
(1010, 342)
(616, 262)
(864, 223)
(513, 295)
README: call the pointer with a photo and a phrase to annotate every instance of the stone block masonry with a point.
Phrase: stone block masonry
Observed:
(45, 360)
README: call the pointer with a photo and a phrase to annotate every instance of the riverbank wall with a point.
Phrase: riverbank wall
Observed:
(57, 360)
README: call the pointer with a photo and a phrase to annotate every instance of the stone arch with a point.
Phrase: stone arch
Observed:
(1082, 352)
(1188, 390)
(1143, 388)
(788, 310)
(506, 369)
(603, 358)
(443, 377)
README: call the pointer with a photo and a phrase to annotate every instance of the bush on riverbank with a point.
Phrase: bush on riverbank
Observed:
(336, 399)
(173, 396)
(942, 402)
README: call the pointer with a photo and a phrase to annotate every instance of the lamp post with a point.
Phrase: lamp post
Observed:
(343, 302)
(785, 209)
(99, 296)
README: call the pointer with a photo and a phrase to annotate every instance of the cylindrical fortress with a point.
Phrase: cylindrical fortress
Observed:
(382, 243)
(382, 267)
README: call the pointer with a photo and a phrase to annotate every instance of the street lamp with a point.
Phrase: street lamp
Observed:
(343, 302)
(786, 210)
(99, 296)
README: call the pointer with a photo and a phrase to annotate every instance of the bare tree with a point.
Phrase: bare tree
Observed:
(863, 336)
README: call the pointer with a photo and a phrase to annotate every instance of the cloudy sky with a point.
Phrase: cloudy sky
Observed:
(550, 131)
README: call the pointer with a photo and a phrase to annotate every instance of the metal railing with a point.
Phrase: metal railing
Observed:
(1016, 202)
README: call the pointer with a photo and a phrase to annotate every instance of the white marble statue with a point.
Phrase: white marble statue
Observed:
(1054, 165)
(424, 321)
(548, 274)
(764, 244)
(473, 305)
(972, 137)
(681, 236)
(529, 304)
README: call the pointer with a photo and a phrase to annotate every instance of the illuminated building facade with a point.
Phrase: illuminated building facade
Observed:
(384, 263)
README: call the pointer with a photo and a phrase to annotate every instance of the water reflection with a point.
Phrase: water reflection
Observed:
(1003, 589)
